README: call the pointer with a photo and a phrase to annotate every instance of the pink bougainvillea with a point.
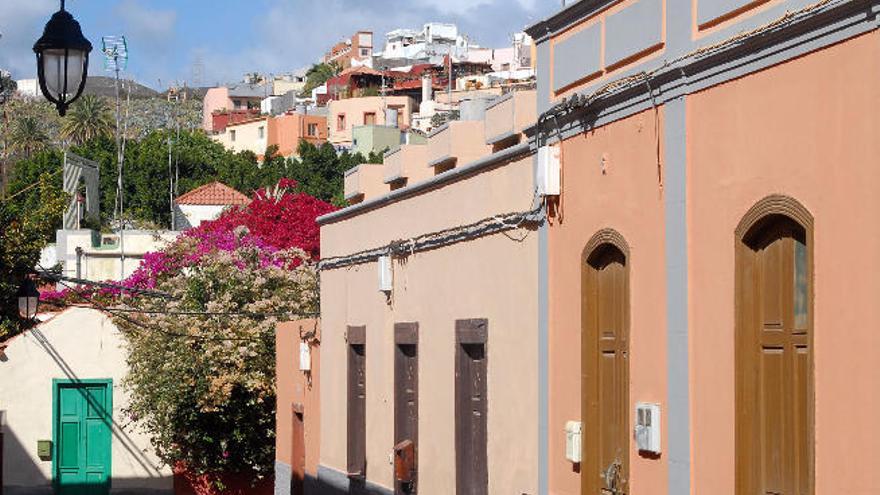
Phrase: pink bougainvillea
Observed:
(276, 219)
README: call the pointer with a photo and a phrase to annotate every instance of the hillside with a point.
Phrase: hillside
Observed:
(105, 86)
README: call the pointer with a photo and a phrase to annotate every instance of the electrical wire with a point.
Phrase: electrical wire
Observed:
(143, 326)
(434, 240)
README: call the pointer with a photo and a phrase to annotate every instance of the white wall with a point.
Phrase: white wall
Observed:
(79, 343)
(193, 215)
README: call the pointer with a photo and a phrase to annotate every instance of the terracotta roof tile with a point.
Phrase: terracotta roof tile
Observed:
(215, 193)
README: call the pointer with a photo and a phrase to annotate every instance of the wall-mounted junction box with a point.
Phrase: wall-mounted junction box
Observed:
(573, 434)
(647, 431)
(548, 171)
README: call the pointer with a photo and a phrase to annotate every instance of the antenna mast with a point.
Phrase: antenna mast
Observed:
(115, 51)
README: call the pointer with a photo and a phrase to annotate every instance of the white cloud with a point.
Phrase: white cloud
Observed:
(21, 24)
(152, 26)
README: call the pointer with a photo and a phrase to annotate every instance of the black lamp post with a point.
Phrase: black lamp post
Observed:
(28, 299)
(62, 60)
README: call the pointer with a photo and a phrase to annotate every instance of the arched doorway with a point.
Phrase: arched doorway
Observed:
(605, 365)
(774, 350)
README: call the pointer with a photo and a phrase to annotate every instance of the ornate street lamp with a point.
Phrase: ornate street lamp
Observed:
(28, 299)
(62, 60)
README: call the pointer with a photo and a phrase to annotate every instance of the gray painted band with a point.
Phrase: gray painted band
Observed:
(543, 360)
(678, 379)
(699, 76)
(458, 173)
(583, 51)
(633, 30)
(329, 478)
(282, 478)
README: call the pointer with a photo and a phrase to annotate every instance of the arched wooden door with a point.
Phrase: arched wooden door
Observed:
(605, 371)
(774, 380)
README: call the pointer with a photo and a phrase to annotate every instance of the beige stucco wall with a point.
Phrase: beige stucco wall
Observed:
(79, 343)
(626, 196)
(247, 137)
(354, 110)
(805, 129)
(460, 141)
(494, 277)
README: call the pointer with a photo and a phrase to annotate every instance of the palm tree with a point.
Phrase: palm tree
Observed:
(89, 118)
(28, 135)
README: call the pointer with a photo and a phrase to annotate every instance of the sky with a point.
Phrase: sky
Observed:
(217, 41)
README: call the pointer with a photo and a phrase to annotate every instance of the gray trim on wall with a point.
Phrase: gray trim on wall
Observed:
(584, 51)
(826, 27)
(678, 379)
(283, 478)
(543, 357)
(333, 482)
(633, 30)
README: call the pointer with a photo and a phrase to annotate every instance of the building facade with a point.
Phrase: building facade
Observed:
(356, 51)
(47, 372)
(694, 254)
(344, 115)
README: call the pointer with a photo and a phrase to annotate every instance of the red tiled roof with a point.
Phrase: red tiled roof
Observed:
(215, 193)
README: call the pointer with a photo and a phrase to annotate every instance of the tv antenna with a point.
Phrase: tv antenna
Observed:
(115, 50)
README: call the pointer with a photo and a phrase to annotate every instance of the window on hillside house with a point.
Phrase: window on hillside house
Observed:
(232, 135)
(369, 118)
(340, 122)
(399, 115)
(312, 130)
(236, 104)
(261, 132)
(365, 52)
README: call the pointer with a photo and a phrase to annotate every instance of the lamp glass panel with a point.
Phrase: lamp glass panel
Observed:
(27, 307)
(53, 69)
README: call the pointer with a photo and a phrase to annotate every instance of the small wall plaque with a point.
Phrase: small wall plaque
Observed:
(44, 449)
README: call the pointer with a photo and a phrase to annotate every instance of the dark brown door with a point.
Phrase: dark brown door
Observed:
(605, 373)
(471, 467)
(774, 378)
(406, 397)
(357, 403)
(298, 457)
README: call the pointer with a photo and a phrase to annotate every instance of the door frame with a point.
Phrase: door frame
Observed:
(590, 362)
(57, 383)
(773, 205)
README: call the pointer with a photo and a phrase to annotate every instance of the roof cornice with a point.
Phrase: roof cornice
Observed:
(565, 17)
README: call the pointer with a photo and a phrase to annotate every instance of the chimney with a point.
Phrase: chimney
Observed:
(427, 86)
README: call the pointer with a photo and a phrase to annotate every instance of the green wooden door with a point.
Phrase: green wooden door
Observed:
(82, 418)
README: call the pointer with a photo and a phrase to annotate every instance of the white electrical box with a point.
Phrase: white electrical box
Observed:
(305, 357)
(647, 434)
(573, 432)
(547, 174)
(386, 274)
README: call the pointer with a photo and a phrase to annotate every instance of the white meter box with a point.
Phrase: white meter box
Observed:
(305, 357)
(548, 171)
(573, 434)
(647, 431)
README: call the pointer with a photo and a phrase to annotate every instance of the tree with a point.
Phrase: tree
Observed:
(320, 170)
(7, 86)
(28, 135)
(318, 74)
(26, 231)
(89, 118)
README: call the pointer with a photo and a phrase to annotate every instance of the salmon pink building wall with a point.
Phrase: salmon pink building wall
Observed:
(301, 390)
(288, 130)
(806, 129)
(215, 99)
(611, 181)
